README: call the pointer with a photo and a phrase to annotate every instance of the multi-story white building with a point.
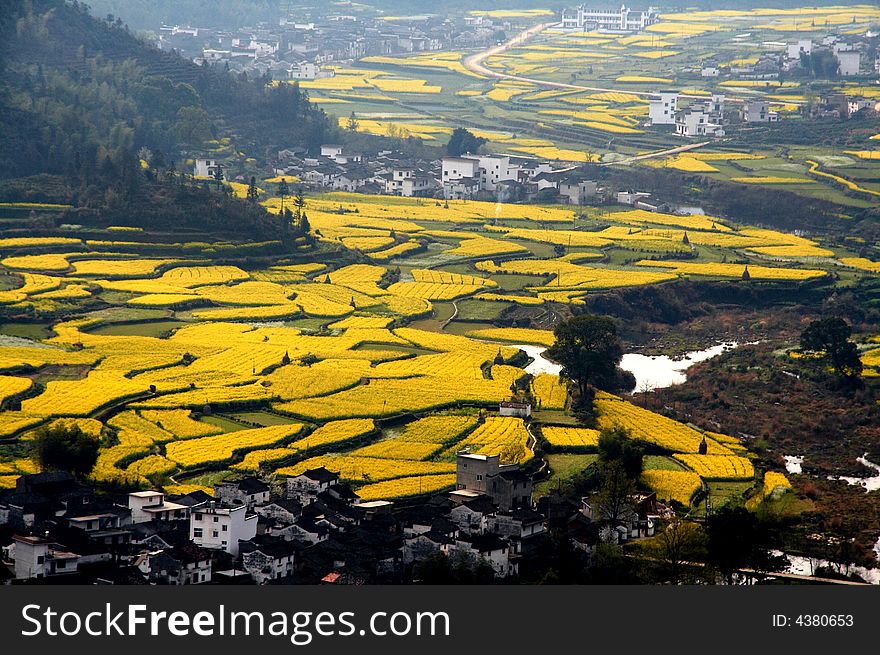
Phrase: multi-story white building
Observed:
(849, 61)
(758, 111)
(463, 175)
(795, 50)
(495, 169)
(221, 526)
(697, 121)
(304, 71)
(206, 167)
(661, 110)
(409, 182)
(623, 19)
(152, 506)
(460, 177)
(36, 557)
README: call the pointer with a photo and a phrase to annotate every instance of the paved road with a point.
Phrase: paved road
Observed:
(659, 153)
(475, 64)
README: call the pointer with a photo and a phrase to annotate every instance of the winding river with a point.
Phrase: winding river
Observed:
(651, 372)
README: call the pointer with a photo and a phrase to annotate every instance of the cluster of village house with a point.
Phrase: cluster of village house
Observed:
(302, 47)
(312, 530)
(469, 177)
(491, 176)
(706, 116)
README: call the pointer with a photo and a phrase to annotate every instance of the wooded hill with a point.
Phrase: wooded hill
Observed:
(81, 97)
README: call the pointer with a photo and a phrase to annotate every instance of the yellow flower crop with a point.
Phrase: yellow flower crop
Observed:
(184, 489)
(12, 386)
(37, 242)
(650, 427)
(406, 487)
(334, 433)
(500, 435)
(673, 485)
(519, 300)
(814, 170)
(641, 217)
(770, 179)
(736, 270)
(567, 438)
(82, 397)
(433, 291)
(47, 262)
(718, 467)
(437, 429)
(179, 423)
(368, 469)
(126, 268)
(152, 465)
(774, 483)
(862, 263)
(396, 449)
(485, 247)
(12, 423)
(793, 251)
(394, 251)
(549, 391)
(220, 448)
(515, 335)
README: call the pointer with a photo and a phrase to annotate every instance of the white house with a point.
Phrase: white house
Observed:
(494, 169)
(339, 155)
(307, 485)
(36, 557)
(703, 118)
(221, 526)
(206, 167)
(304, 71)
(460, 177)
(269, 561)
(514, 408)
(152, 506)
(247, 491)
(803, 46)
(577, 192)
(661, 110)
(495, 551)
(623, 19)
(409, 182)
(849, 61)
(758, 111)
(709, 71)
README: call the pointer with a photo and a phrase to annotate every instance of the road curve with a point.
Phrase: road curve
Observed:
(475, 64)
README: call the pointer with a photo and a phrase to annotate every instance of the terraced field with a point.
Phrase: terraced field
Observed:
(194, 363)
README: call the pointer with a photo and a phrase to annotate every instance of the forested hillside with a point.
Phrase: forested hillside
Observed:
(75, 89)
(107, 121)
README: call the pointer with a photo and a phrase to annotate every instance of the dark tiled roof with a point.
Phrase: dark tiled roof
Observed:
(320, 475)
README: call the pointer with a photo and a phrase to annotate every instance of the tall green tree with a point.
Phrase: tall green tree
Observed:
(589, 350)
(252, 190)
(463, 141)
(828, 339)
(617, 445)
(65, 447)
(283, 191)
(615, 498)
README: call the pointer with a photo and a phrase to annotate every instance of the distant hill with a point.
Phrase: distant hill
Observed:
(230, 14)
(73, 87)
(92, 116)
